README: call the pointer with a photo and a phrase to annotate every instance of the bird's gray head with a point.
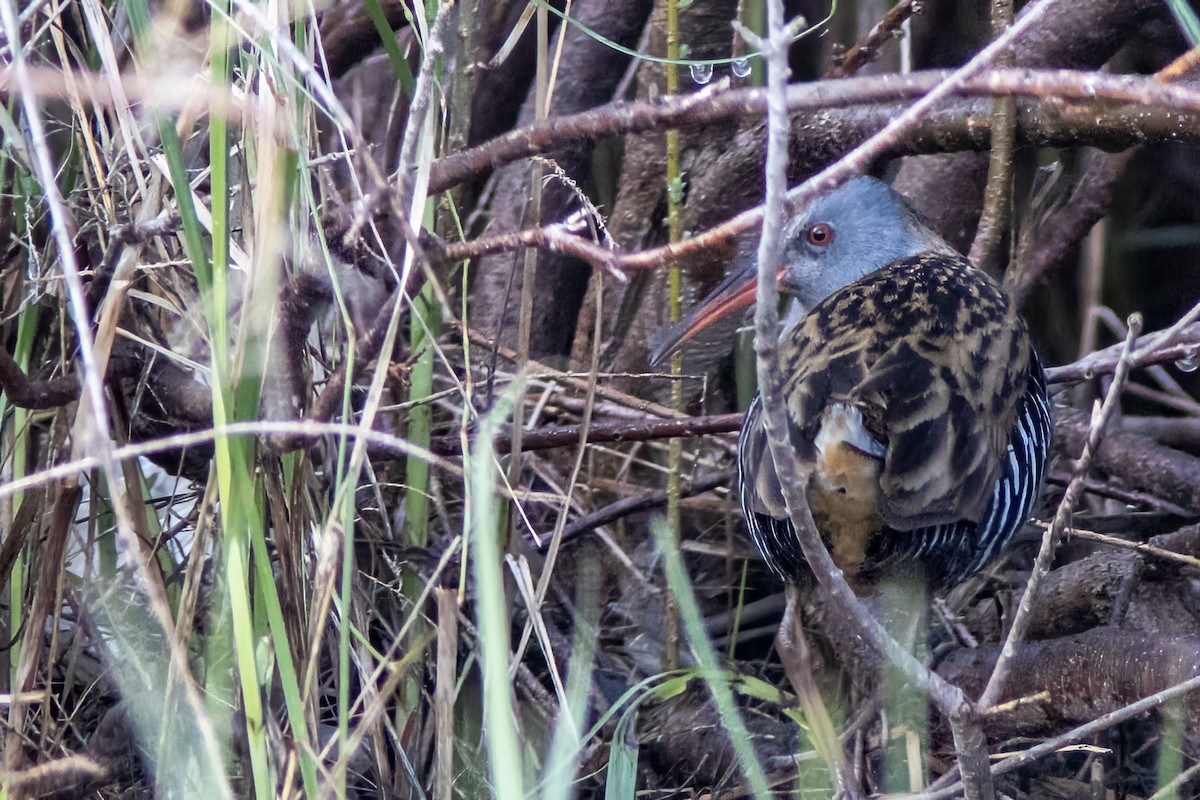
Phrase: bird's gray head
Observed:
(841, 237)
(847, 234)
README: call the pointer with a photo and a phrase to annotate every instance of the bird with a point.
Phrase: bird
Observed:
(916, 403)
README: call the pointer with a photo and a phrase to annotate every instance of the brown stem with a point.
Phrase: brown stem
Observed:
(625, 431)
(993, 221)
(642, 502)
(1062, 518)
(866, 49)
(1086, 92)
(34, 395)
(1068, 107)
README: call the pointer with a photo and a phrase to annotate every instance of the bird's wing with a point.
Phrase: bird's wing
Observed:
(760, 490)
(932, 354)
(949, 552)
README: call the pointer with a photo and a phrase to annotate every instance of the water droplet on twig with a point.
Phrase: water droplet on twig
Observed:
(701, 73)
(1189, 362)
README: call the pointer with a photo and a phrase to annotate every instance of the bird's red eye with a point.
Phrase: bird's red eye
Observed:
(820, 234)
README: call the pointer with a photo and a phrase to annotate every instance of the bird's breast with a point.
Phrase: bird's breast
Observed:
(843, 489)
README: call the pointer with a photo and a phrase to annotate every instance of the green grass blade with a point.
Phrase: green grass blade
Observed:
(503, 740)
(706, 655)
(621, 779)
(1189, 23)
(388, 36)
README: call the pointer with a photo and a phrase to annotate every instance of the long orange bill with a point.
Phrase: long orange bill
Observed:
(735, 293)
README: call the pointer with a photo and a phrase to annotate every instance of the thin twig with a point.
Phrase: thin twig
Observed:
(994, 219)
(643, 430)
(774, 46)
(642, 502)
(1170, 344)
(1182, 332)
(1076, 734)
(674, 291)
(1141, 547)
(1012, 705)
(529, 261)
(867, 48)
(1090, 91)
(386, 442)
(1062, 517)
(443, 697)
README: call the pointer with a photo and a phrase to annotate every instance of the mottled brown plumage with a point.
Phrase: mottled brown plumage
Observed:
(936, 379)
(917, 406)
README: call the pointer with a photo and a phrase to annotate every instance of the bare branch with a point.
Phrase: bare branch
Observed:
(866, 49)
(994, 220)
(642, 502)
(598, 433)
(1050, 746)
(1090, 92)
(1160, 347)
(1074, 105)
(1062, 518)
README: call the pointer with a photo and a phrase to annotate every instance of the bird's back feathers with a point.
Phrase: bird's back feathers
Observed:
(935, 361)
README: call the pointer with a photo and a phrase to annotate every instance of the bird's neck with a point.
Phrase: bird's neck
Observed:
(793, 312)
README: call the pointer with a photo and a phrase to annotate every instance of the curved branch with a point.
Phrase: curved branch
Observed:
(1093, 95)
(1060, 108)
(23, 392)
(866, 49)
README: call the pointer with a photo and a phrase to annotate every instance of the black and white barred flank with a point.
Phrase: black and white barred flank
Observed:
(942, 554)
